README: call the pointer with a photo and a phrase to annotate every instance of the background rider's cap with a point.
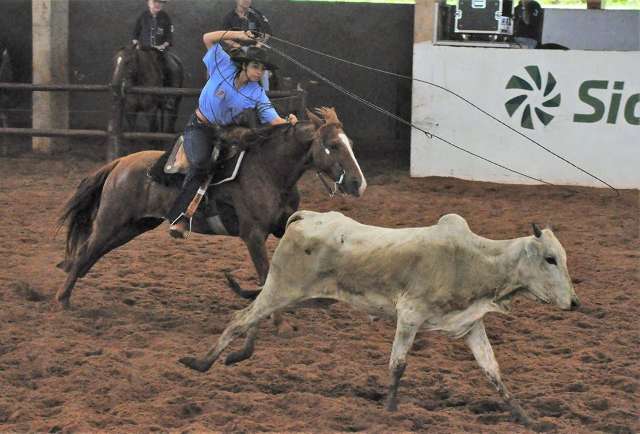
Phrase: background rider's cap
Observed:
(255, 54)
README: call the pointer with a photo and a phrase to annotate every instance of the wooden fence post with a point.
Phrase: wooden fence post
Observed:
(303, 104)
(115, 140)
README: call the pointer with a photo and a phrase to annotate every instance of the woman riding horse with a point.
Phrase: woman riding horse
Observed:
(232, 87)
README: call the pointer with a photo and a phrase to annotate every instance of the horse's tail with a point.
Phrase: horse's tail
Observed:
(244, 293)
(80, 210)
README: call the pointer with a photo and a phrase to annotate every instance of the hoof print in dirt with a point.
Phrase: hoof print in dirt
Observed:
(26, 291)
(544, 427)
(129, 301)
(93, 353)
(190, 410)
(551, 407)
(598, 404)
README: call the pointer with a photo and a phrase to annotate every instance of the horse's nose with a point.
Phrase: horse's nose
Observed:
(354, 186)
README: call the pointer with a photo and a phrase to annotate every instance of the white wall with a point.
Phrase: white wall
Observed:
(591, 29)
(611, 151)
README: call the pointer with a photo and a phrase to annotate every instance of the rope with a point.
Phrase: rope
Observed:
(393, 74)
(401, 120)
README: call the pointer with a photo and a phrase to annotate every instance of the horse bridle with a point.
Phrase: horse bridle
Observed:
(337, 185)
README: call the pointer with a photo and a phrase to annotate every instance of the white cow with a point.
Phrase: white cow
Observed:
(442, 277)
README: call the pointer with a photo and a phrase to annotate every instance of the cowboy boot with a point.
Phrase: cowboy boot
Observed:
(194, 188)
(179, 215)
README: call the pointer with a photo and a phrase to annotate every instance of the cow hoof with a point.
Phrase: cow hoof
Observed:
(236, 357)
(195, 364)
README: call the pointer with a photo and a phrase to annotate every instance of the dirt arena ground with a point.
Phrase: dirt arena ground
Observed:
(110, 363)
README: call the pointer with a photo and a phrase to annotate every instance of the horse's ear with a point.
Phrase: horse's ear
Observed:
(313, 118)
(328, 114)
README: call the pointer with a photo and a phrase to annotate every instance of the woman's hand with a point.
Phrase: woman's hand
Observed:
(291, 119)
(245, 36)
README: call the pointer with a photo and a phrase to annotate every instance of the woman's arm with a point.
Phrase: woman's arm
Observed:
(212, 38)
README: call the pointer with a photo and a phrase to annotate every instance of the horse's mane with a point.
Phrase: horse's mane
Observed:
(254, 138)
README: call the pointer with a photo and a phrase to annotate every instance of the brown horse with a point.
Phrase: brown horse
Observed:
(121, 201)
(143, 67)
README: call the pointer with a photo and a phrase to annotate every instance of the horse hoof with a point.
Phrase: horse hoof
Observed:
(64, 303)
(195, 364)
(392, 406)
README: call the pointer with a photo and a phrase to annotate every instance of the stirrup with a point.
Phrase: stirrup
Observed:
(178, 227)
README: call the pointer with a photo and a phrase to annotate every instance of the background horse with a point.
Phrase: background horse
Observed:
(143, 67)
(121, 201)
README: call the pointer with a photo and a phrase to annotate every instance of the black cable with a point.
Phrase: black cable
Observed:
(454, 94)
(399, 119)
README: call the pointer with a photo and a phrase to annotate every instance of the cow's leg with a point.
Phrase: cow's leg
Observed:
(267, 303)
(255, 239)
(247, 348)
(405, 333)
(481, 347)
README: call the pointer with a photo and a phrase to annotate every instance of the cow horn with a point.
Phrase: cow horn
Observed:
(536, 230)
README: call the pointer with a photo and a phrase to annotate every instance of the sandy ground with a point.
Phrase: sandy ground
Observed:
(110, 363)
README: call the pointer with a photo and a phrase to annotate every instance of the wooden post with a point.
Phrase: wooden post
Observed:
(424, 19)
(303, 104)
(50, 30)
(115, 140)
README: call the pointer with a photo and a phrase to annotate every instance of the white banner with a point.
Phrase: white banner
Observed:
(583, 105)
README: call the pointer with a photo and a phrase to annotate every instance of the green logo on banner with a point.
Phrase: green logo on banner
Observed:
(536, 97)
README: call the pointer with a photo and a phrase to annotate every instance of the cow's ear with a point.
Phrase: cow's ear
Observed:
(536, 230)
(531, 248)
(314, 118)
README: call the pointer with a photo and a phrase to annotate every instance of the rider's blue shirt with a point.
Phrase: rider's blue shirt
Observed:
(220, 101)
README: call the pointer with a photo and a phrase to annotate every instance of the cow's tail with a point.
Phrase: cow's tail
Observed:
(249, 294)
(80, 210)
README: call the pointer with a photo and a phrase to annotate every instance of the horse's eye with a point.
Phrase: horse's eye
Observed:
(333, 147)
(551, 260)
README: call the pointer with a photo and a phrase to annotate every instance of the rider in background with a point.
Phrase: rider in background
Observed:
(231, 89)
(246, 17)
(527, 29)
(153, 30)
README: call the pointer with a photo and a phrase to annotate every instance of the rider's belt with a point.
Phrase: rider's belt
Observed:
(201, 118)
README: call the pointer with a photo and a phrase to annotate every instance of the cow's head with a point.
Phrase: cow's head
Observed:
(332, 153)
(542, 270)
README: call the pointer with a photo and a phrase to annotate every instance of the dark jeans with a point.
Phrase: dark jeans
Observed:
(199, 141)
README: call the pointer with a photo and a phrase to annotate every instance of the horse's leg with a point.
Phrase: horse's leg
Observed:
(102, 240)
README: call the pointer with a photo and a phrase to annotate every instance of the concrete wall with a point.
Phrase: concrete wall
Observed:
(376, 35)
(605, 30)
